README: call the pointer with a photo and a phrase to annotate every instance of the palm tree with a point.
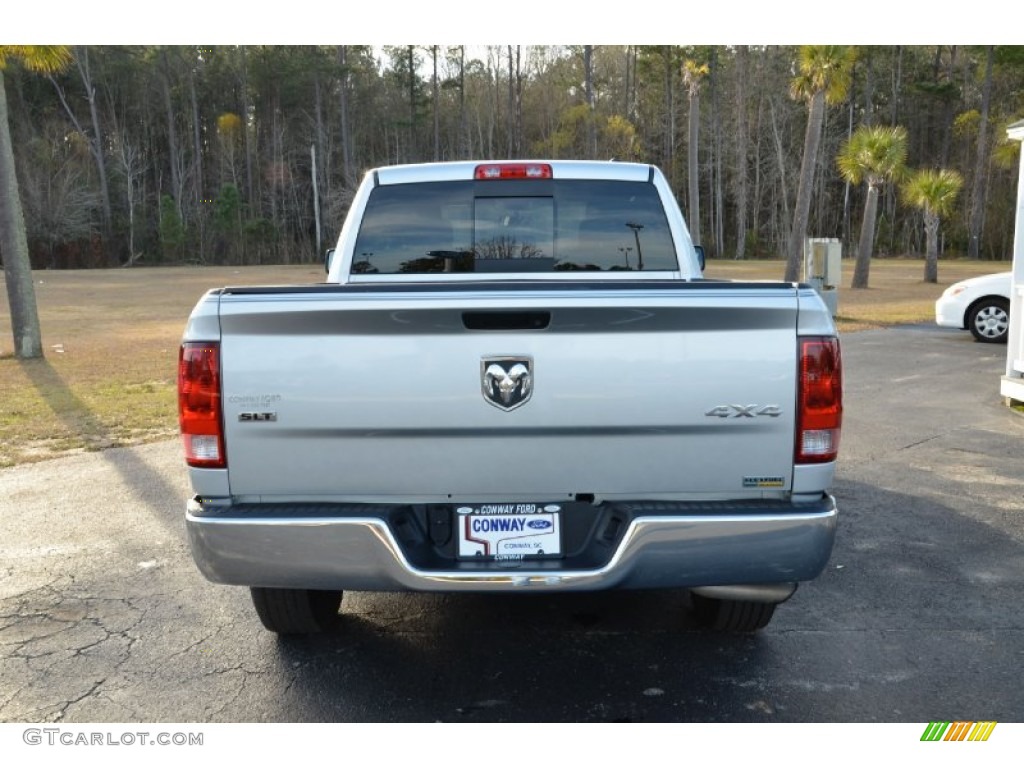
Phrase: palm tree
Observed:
(28, 342)
(823, 78)
(875, 155)
(934, 193)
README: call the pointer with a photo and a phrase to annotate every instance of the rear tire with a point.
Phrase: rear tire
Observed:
(296, 611)
(732, 615)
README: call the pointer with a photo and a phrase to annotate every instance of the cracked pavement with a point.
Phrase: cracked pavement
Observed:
(104, 617)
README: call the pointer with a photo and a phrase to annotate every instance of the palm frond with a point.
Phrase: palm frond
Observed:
(933, 190)
(873, 153)
(43, 59)
(823, 68)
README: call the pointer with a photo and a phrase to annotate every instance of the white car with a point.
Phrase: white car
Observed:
(980, 304)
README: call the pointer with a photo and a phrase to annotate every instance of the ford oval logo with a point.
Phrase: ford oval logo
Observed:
(539, 525)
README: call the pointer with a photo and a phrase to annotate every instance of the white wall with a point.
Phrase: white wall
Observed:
(1012, 384)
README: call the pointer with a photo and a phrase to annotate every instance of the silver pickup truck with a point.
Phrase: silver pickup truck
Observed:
(514, 379)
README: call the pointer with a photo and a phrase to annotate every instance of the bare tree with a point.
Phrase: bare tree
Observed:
(437, 105)
(347, 170)
(742, 142)
(58, 201)
(514, 118)
(96, 143)
(980, 162)
(669, 141)
(177, 185)
(132, 167)
(588, 94)
(693, 73)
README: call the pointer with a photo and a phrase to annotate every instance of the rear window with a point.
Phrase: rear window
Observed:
(514, 226)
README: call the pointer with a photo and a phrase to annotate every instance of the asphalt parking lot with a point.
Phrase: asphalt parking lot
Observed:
(918, 617)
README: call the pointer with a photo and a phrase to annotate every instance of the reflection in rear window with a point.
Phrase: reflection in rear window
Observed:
(514, 226)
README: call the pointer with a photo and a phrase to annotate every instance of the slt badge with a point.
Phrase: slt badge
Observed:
(506, 382)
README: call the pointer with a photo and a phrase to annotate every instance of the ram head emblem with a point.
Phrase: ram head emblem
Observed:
(507, 382)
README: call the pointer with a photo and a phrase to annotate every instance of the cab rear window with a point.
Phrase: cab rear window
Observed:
(514, 226)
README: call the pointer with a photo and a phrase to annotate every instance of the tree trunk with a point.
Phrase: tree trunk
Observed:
(931, 257)
(626, 84)
(867, 236)
(670, 120)
(980, 164)
(463, 132)
(693, 166)
(347, 171)
(246, 131)
(129, 157)
(320, 155)
(845, 226)
(510, 117)
(632, 91)
(794, 250)
(588, 91)
(316, 195)
(948, 112)
(897, 87)
(197, 139)
(21, 294)
(779, 154)
(869, 91)
(518, 122)
(172, 133)
(740, 189)
(437, 103)
(718, 198)
(494, 114)
(410, 155)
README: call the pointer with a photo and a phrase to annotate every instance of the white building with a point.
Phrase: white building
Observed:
(1012, 384)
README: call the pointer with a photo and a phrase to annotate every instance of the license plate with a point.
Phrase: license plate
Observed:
(509, 531)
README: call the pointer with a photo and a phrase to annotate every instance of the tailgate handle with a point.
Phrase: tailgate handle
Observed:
(506, 321)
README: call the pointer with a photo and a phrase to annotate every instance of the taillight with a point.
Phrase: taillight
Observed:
(819, 400)
(512, 171)
(199, 411)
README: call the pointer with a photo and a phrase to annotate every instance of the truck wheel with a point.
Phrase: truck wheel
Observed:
(732, 615)
(296, 611)
(989, 320)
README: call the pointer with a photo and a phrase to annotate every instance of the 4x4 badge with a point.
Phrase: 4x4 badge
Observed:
(744, 411)
(506, 382)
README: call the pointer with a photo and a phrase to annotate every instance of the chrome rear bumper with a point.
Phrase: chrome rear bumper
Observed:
(743, 552)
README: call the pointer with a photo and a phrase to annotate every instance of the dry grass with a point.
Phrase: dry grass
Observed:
(111, 344)
(111, 340)
(898, 294)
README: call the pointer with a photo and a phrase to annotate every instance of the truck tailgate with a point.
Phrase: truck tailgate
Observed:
(635, 391)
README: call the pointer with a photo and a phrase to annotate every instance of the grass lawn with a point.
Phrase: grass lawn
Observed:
(111, 343)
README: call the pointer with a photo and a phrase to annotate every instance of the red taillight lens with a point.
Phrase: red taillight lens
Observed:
(513, 171)
(819, 401)
(199, 412)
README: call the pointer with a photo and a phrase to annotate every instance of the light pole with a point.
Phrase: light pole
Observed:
(636, 233)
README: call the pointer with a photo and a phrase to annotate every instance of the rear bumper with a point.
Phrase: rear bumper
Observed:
(340, 546)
